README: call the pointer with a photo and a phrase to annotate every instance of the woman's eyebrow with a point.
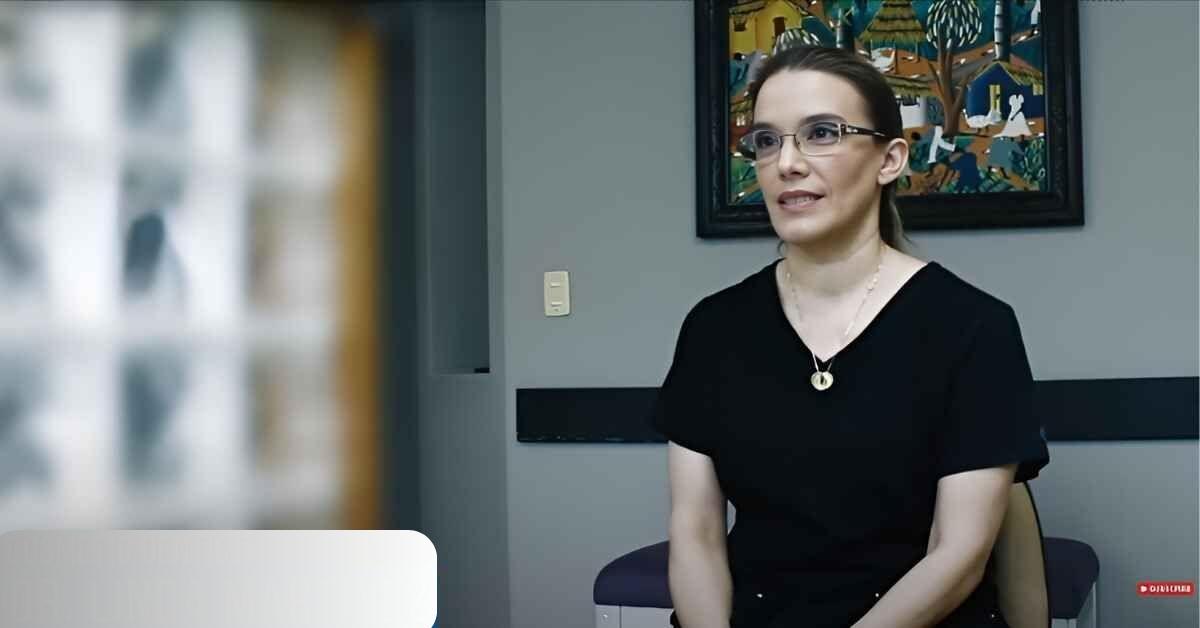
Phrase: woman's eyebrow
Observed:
(821, 116)
(816, 117)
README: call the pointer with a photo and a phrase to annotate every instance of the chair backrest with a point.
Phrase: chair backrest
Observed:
(1020, 563)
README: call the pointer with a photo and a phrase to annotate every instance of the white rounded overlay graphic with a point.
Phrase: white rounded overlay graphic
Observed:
(227, 578)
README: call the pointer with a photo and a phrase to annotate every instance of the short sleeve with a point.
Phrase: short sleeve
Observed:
(683, 409)
(990, 420)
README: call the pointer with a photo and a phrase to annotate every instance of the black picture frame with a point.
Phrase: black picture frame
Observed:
(1060, 205)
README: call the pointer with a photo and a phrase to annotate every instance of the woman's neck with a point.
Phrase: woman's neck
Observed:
(832, 274)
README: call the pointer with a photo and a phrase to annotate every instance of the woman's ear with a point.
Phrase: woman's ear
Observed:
(895, 158)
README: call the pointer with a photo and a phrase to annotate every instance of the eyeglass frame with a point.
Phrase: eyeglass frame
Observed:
(842, 127)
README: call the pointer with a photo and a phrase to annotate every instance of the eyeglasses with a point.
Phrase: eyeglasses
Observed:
(814, 139)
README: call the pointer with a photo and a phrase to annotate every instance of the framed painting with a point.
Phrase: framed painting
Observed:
(988, 91)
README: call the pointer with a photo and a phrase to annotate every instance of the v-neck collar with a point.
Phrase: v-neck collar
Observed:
(780, 315)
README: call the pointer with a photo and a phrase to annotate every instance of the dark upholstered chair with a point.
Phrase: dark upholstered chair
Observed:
(1038, 579)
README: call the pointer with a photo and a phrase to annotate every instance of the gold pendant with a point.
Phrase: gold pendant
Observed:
(821, 380)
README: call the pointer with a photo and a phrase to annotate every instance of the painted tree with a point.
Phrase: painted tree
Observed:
(951, 26)
(841, 22)
(1000, 30)
(794, 37)
(845, 29)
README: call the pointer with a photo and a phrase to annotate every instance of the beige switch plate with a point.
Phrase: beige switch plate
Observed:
(557, 293)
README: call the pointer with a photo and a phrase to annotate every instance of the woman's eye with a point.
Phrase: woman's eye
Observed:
(822, 132)
(765, 140)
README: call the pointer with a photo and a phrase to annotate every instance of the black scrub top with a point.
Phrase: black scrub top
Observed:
(834, 490)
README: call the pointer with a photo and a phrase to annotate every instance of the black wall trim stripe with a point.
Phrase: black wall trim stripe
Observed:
(1157, 408)
(586, 415)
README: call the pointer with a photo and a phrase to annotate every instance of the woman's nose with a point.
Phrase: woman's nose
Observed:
(791, 160)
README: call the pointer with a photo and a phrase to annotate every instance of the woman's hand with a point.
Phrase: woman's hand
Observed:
(969, 509)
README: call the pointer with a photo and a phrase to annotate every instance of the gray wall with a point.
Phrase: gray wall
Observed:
(461, 436)
(453, 36)
(582, 86)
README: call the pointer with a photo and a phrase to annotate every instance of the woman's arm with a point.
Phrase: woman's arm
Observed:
(967, 516)
(701, 586)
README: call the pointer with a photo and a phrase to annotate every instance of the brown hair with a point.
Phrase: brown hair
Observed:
(874, 90)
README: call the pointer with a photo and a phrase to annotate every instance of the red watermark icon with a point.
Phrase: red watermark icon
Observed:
(1155, 589)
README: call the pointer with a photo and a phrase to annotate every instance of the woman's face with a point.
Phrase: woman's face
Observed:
(828, 198)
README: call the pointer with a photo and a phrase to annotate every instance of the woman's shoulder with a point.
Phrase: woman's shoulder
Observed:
(961, 295)
(730, 303)
(959, 306)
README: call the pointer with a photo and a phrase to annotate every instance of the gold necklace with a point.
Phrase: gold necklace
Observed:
(822, 380)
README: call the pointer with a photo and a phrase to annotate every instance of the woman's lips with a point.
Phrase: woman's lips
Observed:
(795, 201)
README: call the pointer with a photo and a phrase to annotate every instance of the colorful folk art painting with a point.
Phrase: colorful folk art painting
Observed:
(969, 78)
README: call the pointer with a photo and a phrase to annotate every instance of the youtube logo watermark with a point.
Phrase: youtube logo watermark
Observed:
(1167, 589)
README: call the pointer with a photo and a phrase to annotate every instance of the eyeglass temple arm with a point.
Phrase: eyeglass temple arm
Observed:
(857, 130)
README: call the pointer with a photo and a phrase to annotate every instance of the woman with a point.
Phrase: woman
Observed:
(865, 412)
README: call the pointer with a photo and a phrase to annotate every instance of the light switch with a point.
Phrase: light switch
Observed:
(557, 291)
